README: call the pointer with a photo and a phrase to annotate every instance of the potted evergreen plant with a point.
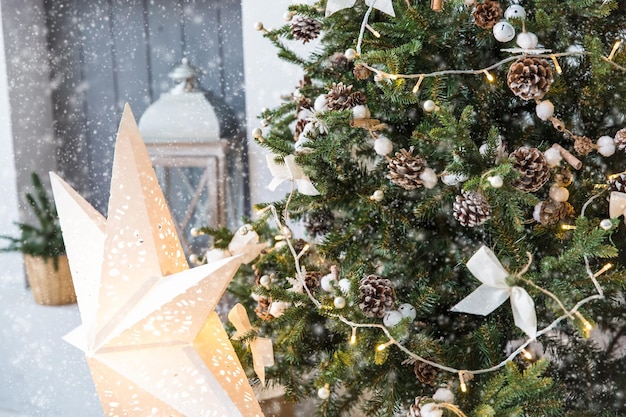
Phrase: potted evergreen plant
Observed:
(42, 245)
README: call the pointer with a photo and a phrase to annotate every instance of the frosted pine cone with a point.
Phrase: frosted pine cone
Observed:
(337, 97)
(532, 166)
(530, 77)
(299, 128)
(338, 60)
(487, 14)
(361, 72)
(377, 296)
(618, 183)
(553, 212)
(620, 139)
(405, 169)
(583, 145)
(471, 209)
(305, 29)
(312, 279)
(319, 222)
(356, 99)
(262, 309)
(425, 373)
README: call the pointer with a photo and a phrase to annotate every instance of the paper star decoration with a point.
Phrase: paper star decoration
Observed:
(384, 6)
(153, 342)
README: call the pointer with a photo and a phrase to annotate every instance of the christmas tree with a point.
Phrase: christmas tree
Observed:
(459, 169)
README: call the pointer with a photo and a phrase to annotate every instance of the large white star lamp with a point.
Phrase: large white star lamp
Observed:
(154, 344)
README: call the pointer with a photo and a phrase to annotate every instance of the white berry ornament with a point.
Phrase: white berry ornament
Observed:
(383, 145)
(527, 40)
(503, 31)
(606, 146)
(408, 311)
(553, 157)
(392, 318)
(545, 109)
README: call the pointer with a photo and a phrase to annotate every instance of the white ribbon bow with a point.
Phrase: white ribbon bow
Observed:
(487, 269)
(290, 171)
(245, 243)
(617, 205)
(384, 6)
(261, 347)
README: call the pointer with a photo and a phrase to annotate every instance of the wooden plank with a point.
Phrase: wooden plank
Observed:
(130, 53)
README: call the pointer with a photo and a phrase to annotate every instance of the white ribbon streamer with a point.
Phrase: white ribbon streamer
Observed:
(290, 171)
(244, 243)
(617, 205)
(494, 291)
(384, 6)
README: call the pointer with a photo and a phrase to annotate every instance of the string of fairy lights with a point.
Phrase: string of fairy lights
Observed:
(464, 375)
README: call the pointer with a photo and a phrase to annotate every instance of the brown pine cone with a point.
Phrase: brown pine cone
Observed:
(299, 128)
(405, 169)
(532, 166)
(263, 308)
(337, 97)
(553, 212)
(425, 373)
(583, 145)
(471, 209)
(563, 177)
(361, 72)
(487, 14)
(620, 139)
(319, 222)
(356, 99)
(377, 296)
(312, 279)
(338, 60)
(305, 28)
(530, 77)
(618, 183)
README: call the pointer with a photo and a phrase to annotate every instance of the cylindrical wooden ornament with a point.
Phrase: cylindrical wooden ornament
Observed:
(436, 5)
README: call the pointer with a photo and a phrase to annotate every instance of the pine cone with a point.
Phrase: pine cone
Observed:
(553, 212)
(563, 177)
(425, 373)
(471, 209)
(361, 72)
(299, 128)
(356, 99)
(263, 308)
(618, 183)
(535, 171)
(320, 222)
(338, 60)
(620, 139)
(583, 145)
(312, 279)
(487, 14)
(305, 28)
(405, 169)
(377, 296)
(530, 77)
(337, 97)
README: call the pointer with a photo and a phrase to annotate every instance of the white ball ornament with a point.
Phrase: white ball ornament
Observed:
(560, 194)
(265, 281)
(553, 157)
(408, 311)
(527, 40)
(350, 54)
(323, 393)
(258, 26)
(257, 133)
(429, 178)
(277, 308)
(344, 285)
(288, 16)
(339, 302)
(327, 282)
(378, 195)
(545, 110)
(606, 224)
(453, 179)
(383, 146)
(496, 181)
(360, 112)
(392, 318)
(606, 146)
(429, 106)
(515, 11)
(444, 395)
(321, 104)
(503, 31)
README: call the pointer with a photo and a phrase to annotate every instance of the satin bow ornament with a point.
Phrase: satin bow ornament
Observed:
(617, 205)
(494, 291)
(290, 171)
(261, 347)
(245, 243)
(384, 6)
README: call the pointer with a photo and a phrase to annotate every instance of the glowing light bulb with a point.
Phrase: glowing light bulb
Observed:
(353, 336)
(557, 67)
(417, 85)
(489, 76)
(374, 31)
(603, 270)
(614, 50)
(383, 346)
(527, 354)
(568, 227)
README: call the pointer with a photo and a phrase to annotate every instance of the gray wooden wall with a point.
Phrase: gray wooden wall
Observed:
(104, 53)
